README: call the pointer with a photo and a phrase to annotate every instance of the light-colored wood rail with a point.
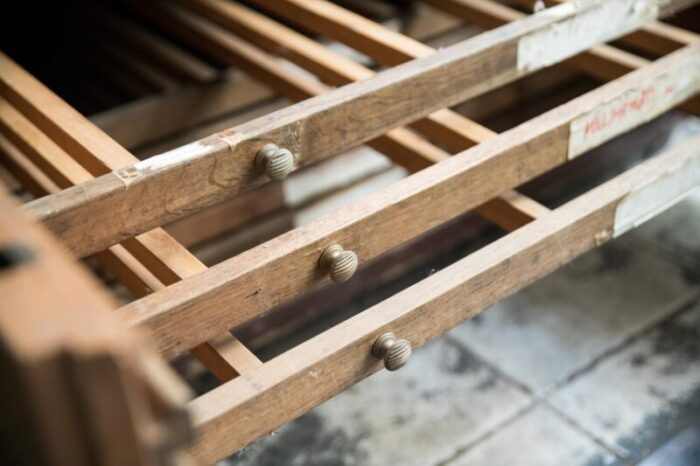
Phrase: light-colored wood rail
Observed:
(405, 147)
(452, 131)
(191, 311)
(173, 184)
(602, 62)
(508, 212)
(661, 38)
(392, 48)
(318, 368)
(159, 253)
(656, 37)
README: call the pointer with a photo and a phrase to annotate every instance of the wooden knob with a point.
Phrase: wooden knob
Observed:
(340, 264)
(395, 353)
(274, 162)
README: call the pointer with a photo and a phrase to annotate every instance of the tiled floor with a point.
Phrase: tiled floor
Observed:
(596, 364)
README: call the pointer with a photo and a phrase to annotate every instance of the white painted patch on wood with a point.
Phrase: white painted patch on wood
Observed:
(644, 102)
(581, 25)
(174, 157)
(657, 195)
(182, 154)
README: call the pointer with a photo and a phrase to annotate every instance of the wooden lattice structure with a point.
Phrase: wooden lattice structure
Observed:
(98, 199)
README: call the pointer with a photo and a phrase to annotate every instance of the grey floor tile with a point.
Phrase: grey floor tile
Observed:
(421, 415)
(636, 399)
(540, 438)
(543, 334)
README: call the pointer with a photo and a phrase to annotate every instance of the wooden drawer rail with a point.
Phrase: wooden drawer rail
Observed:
(404, 147)
(214, 168)
(66, 172)
(139, 280)
(303, 377)
(143, 264)
(193, 310)
(97, 198)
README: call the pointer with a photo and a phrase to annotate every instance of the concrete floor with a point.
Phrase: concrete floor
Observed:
(596, 364)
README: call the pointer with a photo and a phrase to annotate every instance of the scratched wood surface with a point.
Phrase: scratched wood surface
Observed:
(145, 263)
(262, 277)
(171, 185)
(51, 149)
(306, 375)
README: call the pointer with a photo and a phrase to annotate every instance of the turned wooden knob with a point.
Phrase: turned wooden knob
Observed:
(274, 162)
(340, 264)
(395, 353)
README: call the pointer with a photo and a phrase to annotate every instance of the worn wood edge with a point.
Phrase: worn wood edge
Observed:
(226, 166)
(314, 371)
(253, 278)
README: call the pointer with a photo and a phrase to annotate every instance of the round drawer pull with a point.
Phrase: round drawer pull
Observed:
(340, 264)
(274, 162)
(395, 353)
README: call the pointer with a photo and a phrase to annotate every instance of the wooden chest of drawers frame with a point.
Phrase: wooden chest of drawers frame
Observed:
(97, 198)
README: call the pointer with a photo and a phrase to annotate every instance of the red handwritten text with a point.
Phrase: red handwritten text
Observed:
(620, 111)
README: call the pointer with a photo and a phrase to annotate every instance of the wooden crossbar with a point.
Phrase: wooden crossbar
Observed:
(602, 62)
(161, 255)
(97, 198)
(260, 278)
(509, 212)
(309, 373)
(222, 165)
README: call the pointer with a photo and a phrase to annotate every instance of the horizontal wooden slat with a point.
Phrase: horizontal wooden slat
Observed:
(158, 116)
(444, 125)
(603, 62)
(59, 121)
(656, 37)
(171, 185)
(192, 311)
(303, 377)
(403, 146)
(162, 260)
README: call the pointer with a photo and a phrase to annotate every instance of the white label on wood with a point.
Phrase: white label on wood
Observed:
(657, 195)
(638, 105)
(579, 26)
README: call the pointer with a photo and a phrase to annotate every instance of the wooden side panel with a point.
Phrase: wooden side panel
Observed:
(74, 378)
